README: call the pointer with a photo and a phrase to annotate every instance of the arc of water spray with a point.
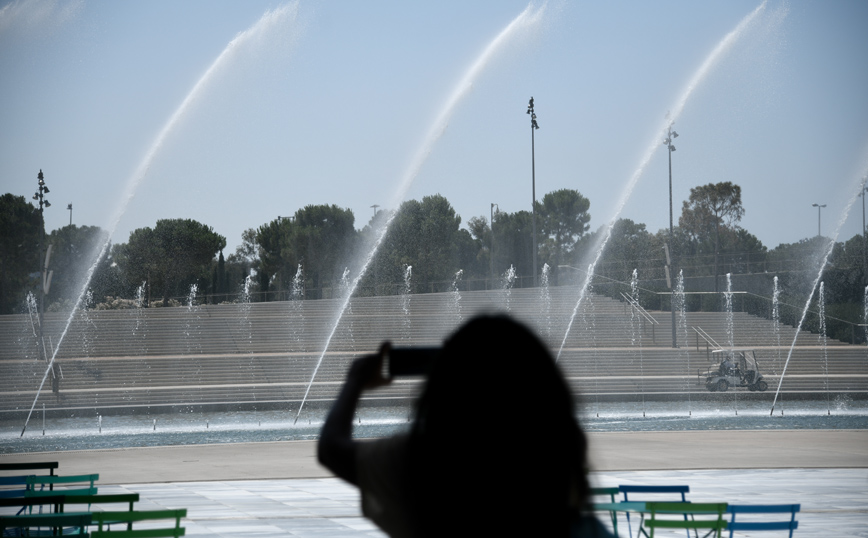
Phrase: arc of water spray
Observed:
(525, 20)
(272, 18)
(719, 51)
(826, 255)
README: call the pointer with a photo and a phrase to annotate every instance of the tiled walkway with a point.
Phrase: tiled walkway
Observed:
(834, 501)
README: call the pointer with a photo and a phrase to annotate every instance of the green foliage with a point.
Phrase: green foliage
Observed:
(427, 236)
(74, 251)
(21, 231)
(319, 237)
(172, 256)
(709, 209)
(630, 247)
(513, 242)
(563, 219)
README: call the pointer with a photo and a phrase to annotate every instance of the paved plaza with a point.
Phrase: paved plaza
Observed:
(834, 501)
(278, 489)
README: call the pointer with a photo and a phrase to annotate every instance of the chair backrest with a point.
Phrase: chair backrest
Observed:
(646, 491)
(7, 483)
(117, 498)
(31, 501)
(65, 524)
(611, 492)
(21, 466)
(789, 524)
(26, 504)
(103, 519)
(664, 509)
(653, 493)
(41, 480)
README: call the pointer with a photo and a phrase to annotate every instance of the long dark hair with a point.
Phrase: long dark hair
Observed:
(495, 441)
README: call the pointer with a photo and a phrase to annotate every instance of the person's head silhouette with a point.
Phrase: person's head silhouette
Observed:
(495, 433)
(494, 449)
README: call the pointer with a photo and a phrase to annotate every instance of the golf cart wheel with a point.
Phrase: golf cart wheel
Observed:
(711, 387)
(761, 385)
(722, 385)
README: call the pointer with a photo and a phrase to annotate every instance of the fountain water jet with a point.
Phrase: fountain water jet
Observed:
(546, 301)
(456, 296)
(192, 326)
(730, 329)
(865, 312)
(776, 318)
(589, 319)
(296, 304)
(634, 320)
(405, 299)
(525, 21)
(347, 291)
(823, 262)
(271, 21)
(681, 307)
(719, 51)
(821, 307)
(507, 281)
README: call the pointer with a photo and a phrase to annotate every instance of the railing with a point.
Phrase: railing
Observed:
(700, 333)
(851, 324)
(643, 314)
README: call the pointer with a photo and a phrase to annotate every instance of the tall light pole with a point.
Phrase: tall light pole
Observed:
(491, 251)
(375, 206)
(862, 192)
(39, 196)
(667, 141)
(819, 212)
(533, 127)
(69, 207)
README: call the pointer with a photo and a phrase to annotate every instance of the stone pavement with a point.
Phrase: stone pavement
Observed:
(278, 489)
(834, 501)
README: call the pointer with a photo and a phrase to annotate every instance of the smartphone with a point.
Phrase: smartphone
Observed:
(411, 361)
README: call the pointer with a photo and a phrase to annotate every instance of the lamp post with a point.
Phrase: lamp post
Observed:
(862, 192)
(533, 127)
(39, 196)
(69, 207)
(819, 212)
(375, 206)
(667, 141)
(491, 250)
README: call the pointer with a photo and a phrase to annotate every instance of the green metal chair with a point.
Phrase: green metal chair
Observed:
(104, 519)
(658, 509)
(612, 493)
(55, 524)
(36, 485)
(651, 493)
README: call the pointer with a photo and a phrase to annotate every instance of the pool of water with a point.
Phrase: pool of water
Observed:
(188, 428)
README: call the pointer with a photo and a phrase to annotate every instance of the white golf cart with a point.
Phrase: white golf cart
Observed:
(733, 368)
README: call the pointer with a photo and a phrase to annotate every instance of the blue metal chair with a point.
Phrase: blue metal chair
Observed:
(780, 525)
(679, 491)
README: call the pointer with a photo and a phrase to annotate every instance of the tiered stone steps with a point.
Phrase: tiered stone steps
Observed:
(265, 354)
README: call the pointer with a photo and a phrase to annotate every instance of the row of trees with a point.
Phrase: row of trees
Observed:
(426, 234)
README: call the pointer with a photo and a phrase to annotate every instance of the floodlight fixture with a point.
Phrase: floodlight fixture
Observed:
(819, 213)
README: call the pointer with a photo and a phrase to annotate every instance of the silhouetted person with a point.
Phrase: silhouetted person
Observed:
(495, 449)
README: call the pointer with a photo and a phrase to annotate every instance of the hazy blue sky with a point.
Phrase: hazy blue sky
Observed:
(328, 102)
